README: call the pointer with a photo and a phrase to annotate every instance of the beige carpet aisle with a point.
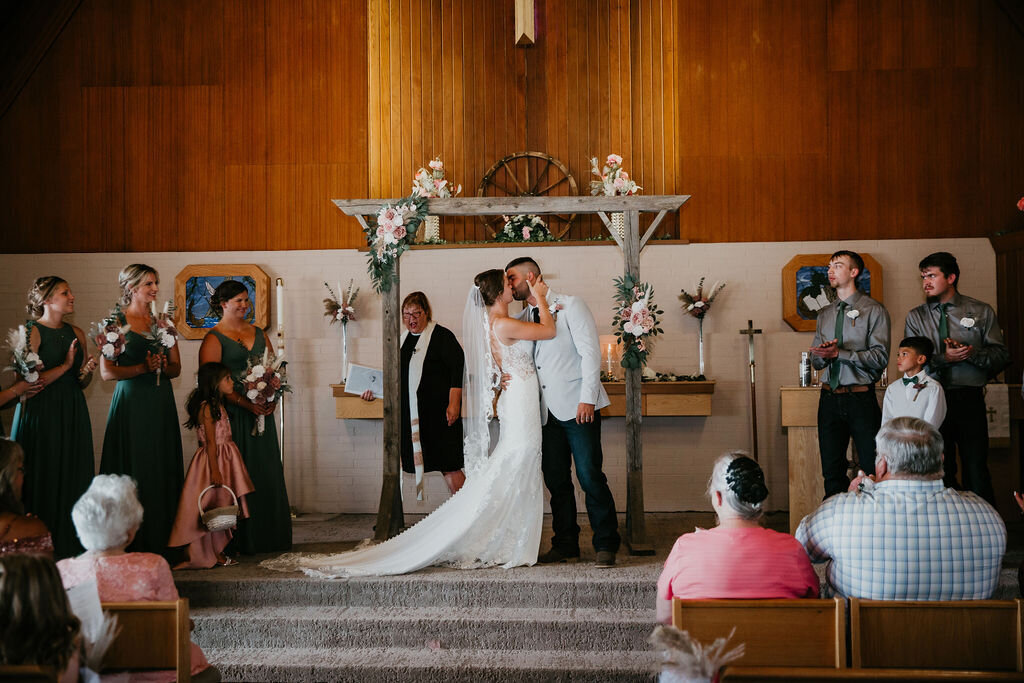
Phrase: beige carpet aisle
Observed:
(543, 623)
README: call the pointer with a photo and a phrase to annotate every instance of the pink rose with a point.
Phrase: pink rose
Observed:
(1020, 204)
(400, 232)
(623, 175)
(526, 233)
(436, 164)
(613, 160)
(619, 183)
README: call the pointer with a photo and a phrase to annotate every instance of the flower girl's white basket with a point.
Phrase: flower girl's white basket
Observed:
(219, 519)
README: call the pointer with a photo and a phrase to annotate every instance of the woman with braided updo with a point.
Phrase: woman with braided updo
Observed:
(143, 439)
(233, 341)
(738, 559)
(53, 426)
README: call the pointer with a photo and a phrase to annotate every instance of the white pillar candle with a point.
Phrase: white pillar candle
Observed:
(280, 306)
(152, 308)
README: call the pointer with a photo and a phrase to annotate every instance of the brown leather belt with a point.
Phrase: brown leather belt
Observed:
(848, 389)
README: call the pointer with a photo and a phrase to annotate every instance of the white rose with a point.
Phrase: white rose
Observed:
(260, 386)
(31, 376)
(967, 322)
(258, 371)
(271, 398)
(853, 313)
(699, 304)
(32, 358)
(250, 377)
(252, 394)
(108, 350)
(112, 336)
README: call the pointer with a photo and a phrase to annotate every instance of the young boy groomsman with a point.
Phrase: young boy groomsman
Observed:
(852, 342)
(969, 351)
(915, 394)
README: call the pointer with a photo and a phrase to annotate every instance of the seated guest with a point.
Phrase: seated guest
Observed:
(739, 558)
(902, 535)
(106, 518)
(19, 533)
(917, 394)
(37, 626)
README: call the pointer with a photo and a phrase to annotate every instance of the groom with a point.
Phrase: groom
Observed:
(569, 371)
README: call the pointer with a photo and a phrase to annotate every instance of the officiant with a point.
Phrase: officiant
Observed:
(432, 363)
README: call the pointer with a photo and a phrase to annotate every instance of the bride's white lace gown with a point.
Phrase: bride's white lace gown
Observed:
(494, 519)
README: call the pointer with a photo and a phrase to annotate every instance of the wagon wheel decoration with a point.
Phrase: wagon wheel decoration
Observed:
(529, 174)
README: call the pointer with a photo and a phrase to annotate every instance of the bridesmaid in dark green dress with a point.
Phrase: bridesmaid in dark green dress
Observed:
(143, 437)
(232, 342)
(53, 426)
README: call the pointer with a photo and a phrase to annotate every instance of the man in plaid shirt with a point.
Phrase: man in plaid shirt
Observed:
(902, 535)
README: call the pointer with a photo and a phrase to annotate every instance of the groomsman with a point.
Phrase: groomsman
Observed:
(969, 351)
(569, 370)
(851, 343)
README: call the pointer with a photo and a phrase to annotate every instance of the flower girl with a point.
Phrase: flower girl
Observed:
(217, 464)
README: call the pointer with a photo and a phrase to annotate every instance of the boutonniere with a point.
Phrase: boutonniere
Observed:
(853, 314)
(554, 307)
(967, 322)
(920, 386)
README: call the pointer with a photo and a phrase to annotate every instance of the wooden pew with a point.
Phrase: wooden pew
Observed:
(153, 635)
(749, 674)
(976, 635)
(27, 673)
(809, 633)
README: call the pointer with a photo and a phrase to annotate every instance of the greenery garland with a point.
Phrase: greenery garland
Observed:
(389, 234)
(636, 320)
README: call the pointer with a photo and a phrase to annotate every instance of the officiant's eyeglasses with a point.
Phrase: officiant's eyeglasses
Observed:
(412, 315)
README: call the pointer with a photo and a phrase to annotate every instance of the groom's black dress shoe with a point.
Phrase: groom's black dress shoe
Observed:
(555, 555)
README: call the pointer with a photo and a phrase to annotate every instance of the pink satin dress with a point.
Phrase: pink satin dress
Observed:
(204, 546)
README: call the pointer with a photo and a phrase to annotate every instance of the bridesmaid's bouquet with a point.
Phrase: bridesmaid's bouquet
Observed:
(109, 334)
(24, 360)
(264, 383)
(163, 334)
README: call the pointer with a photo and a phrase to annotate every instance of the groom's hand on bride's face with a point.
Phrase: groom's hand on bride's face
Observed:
(584, 413)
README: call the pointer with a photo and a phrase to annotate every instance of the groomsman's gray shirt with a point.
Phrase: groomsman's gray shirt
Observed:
(864, 353)
(990, 353)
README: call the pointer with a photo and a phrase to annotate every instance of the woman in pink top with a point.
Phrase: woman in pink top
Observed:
(106, 518)
(737, 559)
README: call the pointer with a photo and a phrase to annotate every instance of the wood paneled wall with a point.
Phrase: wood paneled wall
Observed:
(230, 124)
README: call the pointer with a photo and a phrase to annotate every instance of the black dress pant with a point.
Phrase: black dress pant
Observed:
(965, 432)
(842, 416)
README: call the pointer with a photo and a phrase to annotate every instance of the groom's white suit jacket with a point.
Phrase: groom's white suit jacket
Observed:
(568, 366)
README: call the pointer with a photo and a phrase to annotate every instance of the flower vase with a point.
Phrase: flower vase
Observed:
(431, 229)
(700, 343)
(344, 352)
(619, 225)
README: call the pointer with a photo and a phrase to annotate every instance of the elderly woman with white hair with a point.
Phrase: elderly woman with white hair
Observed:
(737, 559)
(106, 518)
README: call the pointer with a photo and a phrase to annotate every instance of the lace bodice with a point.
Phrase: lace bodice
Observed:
(222, 426)
(516, 359)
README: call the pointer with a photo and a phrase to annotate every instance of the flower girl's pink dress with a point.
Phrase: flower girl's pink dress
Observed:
(203, 545)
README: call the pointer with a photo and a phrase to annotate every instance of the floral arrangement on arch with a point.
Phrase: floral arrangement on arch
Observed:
(699, 304)
(264, 382)
(341, 309)
(109, 334)
(614, 180)
(432, 183)
(522, 228)
(636, 320)
(24, 360)
(389, 235)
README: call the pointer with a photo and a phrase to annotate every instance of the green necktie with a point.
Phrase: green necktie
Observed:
(943, 336)
(833, 369)
(909, 380)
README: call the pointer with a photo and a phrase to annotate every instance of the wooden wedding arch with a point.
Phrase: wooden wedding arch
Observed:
(389, 512)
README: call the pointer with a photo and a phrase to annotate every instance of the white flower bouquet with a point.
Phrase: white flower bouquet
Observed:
(264, 382)
(109, 334)
(636, 317)
(432, 183)
(24, 360)
(614, 180)
(524, 229)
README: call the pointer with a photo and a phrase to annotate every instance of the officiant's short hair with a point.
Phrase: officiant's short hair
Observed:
(418, 299)
(530, 264)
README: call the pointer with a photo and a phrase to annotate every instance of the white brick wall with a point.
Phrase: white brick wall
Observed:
(335, 465)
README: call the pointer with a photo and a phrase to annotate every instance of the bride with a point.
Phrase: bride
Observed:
(496, 517)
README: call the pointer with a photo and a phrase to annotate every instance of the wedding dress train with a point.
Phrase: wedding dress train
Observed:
(494, 519)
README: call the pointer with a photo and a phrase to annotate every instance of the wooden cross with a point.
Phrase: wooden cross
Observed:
(750, 332)
(992, 412)
(525, 31)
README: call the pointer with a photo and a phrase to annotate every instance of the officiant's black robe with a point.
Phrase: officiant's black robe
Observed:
(442, 371)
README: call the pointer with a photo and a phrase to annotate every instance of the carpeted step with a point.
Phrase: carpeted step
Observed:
(378, 665)
(528, 587)
(488, 628)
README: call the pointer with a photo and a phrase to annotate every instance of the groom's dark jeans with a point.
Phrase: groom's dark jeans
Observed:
(565, 441)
